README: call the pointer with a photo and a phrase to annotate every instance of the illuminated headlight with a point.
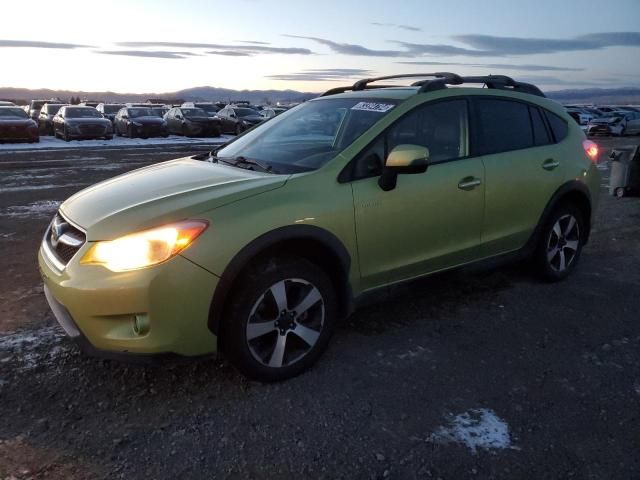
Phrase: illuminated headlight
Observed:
(144, 249)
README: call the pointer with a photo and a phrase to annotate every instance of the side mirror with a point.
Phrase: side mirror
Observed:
(406, 159)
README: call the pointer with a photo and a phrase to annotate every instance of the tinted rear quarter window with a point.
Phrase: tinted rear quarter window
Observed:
(558, 126)
(540, 133)
(502, 126)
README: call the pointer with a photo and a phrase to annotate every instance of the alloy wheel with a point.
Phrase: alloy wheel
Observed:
(563, 243)
(285, 323)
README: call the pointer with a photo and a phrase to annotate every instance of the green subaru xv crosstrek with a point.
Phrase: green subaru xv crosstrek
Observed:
(260, 247)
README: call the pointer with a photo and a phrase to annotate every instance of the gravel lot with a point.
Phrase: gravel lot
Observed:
(478, 373)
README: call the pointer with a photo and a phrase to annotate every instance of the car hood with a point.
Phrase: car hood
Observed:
(160, 194)
(201, 119)
(16, 122)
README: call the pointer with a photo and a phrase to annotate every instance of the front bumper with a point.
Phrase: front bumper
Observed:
(157, 310)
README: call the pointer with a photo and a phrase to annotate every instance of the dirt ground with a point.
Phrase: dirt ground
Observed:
(478, 373)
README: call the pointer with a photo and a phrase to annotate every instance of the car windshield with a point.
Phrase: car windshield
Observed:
(160, 111)
(308, 136)
(13, 112)
(245, 112)
(208, 108)
(52, 109)
(112, 108)
(193, 112)
(82, 113)
(141, 112)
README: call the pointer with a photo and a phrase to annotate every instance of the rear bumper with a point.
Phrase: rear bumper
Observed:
(158, 310)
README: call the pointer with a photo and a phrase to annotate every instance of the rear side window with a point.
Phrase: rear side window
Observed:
(501, 126)
(540, 133)
(558, 126)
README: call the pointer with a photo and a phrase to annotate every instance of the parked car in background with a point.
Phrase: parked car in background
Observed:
(160, 110)
(270, 112)
(632, 123)
(90, 103)
(109, 110)
(192, 122)
(33, 109)
(238, 119)
(45, 119)
(614, 123)
(76, 122)
(140, 122)
(15, 124)
(5, 103)
(210, 108)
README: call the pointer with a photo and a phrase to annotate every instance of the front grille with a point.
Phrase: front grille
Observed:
(91, 129)
(63, 239)
(13, 132)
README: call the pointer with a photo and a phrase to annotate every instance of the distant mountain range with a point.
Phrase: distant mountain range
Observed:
(586, 95)
(189, 94)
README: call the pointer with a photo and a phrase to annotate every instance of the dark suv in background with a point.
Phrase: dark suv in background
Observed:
(45, 119)
(139, 122)
(75, 122)
(191, 122)
(238, 119)
(109, 110)
(34, 107)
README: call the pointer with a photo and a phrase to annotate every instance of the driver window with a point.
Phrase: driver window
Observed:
(441, 127)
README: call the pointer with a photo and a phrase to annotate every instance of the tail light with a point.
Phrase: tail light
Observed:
(591, 149)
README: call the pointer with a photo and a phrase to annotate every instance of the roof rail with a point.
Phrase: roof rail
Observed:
(441, 80)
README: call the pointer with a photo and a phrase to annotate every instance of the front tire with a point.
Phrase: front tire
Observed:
(130, 133)
(65, 135)
(280, 319)
(238, 129)
(560, 243)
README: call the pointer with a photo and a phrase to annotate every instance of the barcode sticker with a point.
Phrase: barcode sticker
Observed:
(373, 107)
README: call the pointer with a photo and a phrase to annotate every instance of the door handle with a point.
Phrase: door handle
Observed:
(469, 183)
(550, 164)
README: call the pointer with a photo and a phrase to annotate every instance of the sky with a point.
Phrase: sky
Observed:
(144, 46)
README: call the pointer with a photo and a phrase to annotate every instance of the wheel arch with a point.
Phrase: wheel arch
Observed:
(313, 243)
(574, 192)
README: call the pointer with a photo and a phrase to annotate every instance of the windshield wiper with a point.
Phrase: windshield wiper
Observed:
(248, 163)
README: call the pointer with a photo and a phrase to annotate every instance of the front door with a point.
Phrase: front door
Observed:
(430, 221)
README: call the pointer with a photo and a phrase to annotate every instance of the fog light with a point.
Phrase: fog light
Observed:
(141, 324)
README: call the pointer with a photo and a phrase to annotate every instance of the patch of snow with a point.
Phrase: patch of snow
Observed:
(42, 187)
(477, 428)
(39, 209)
(32, 348)
(51, 143)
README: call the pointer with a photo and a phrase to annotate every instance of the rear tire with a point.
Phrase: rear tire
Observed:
(264, 336)
(560, 243)
(130, 133)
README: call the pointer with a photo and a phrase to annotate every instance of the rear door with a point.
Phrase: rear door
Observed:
(522, 168)
(429, 221)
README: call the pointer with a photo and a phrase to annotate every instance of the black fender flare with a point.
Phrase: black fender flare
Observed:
(271, 240)
(569, 188)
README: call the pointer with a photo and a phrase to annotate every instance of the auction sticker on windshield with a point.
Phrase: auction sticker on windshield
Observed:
(373, 107)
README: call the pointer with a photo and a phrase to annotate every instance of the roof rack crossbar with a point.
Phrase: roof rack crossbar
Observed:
(361, 84)
(441, 80)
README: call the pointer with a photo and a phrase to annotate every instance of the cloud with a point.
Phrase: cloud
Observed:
(253, 42)
(403, 27)
(531, 46)
(323, 75)
(229, 53)
(148, 53)
(36, 44)
(441, 50)
(253, 49)
(505, 66)
(352, 49)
